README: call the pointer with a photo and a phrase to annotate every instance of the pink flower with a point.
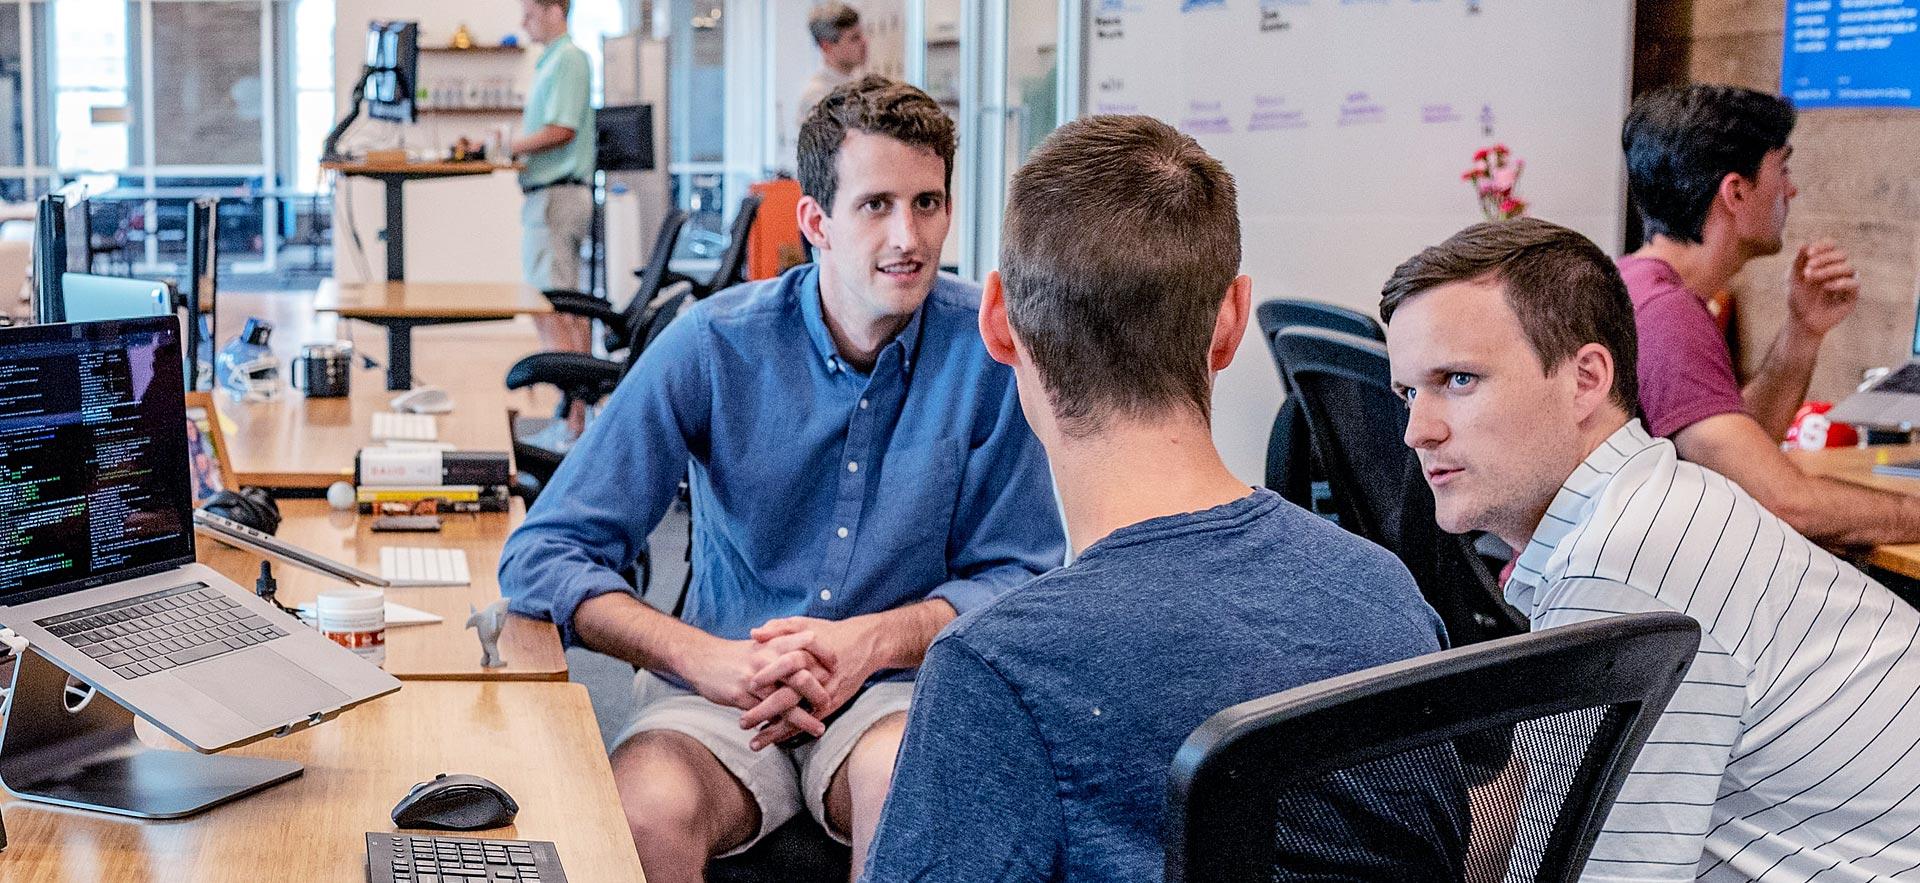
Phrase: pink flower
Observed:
(1480, 155)
(1507, 176)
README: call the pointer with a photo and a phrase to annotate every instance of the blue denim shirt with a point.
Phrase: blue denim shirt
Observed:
(818, 490)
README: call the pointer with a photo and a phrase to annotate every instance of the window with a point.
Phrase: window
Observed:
(313, 106)
(90, 111)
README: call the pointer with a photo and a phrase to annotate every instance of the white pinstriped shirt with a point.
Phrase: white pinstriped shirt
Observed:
(1792, 750)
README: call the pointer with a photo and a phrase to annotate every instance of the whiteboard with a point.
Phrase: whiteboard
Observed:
(1347, 124)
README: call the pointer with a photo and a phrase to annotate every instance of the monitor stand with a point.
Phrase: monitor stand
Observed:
(91, 758)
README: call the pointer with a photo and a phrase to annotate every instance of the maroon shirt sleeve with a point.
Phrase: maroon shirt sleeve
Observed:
(1686, 373)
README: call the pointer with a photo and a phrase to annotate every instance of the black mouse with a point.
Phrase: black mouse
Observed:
(455, 803)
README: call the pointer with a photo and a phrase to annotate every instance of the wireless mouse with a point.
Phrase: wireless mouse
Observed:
(455, 803)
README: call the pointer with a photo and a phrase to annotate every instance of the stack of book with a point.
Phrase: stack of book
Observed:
(416, 482)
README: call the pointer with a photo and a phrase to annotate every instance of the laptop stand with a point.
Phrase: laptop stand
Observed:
(91, 758)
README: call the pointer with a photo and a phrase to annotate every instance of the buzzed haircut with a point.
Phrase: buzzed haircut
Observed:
(1120, 241)
(1564, 289)
(829, 20)
(566, 6)
(1682, 141)
(877, 106)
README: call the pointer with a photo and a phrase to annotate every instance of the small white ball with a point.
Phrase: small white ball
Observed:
(340, 495)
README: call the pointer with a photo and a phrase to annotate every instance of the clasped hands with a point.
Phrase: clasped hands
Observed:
(791, 675)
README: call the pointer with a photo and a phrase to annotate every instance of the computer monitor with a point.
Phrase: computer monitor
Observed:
(90, 298)
(623, 138)
(49, 259)
(79, 228)
(393, 66)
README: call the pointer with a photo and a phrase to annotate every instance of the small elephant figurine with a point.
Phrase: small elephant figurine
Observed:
(489, 623)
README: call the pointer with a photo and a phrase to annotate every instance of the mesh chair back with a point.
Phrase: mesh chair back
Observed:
(1291, 471)
(1356, 423)
(733, 261)
(653, 277)
(1283, 313)
(1517, 746)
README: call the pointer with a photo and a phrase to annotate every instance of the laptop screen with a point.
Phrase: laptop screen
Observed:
(93, 455)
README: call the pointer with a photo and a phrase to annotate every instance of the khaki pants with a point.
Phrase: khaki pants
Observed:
(554, 222)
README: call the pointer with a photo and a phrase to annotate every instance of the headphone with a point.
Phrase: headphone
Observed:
(250, 506)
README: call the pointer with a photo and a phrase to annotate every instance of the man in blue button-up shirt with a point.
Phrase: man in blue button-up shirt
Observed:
(861, 472)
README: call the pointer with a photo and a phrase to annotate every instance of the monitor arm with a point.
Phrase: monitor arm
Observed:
(330, 150)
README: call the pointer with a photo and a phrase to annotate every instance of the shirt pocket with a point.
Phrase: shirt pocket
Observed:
(918, 494)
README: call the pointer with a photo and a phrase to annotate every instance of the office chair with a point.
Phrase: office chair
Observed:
(620, 325)
(1356, 424)
(1291, 470)
(1531, 736)
(587, 379)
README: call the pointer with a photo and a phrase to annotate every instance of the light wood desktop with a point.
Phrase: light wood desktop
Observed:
(538, 741)
(298, 442)
(1856, 465)
(402, 306)
(445, 650)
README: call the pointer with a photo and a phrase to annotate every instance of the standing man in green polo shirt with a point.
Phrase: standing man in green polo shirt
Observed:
(556, 143)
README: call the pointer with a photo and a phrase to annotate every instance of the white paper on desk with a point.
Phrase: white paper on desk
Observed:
(401, 614)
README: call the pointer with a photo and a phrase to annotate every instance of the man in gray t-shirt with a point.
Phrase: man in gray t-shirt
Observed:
(1043, 722)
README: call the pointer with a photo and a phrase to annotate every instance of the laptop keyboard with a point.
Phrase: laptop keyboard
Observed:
(162, 630)
(399, 858)
(1907, 380)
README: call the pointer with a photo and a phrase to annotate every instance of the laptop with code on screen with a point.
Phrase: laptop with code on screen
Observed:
(97, 566)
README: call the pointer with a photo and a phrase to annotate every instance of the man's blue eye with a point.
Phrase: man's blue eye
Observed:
(1459, 379)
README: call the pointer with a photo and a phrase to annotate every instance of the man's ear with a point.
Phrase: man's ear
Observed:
(1735, 190)
(994, 328)
(1230, 326)
(813, 222)
(1593, 379)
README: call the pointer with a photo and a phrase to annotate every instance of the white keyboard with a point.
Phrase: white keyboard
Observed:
(395, 426)
(420, 566)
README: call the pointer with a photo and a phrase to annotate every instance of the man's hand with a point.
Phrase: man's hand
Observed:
(1823, 287)
(853, 652)
(724, 671)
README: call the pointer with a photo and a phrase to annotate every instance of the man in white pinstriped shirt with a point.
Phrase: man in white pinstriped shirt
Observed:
(1792, 750)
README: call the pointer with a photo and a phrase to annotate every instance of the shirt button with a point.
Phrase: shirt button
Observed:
(826, 594)
(863, 404)
(853, 466)
(843, 533)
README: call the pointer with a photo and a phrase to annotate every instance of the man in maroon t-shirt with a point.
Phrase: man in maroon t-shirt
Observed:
(1708, 167)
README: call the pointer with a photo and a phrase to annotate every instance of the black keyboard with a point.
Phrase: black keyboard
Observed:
(399, 858)
(1907, 379)
(162, 630)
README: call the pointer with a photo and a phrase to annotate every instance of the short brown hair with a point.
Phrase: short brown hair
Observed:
(566, 6)
(1564, 289)
(1120, 241)
(829, 20)
(877, 106)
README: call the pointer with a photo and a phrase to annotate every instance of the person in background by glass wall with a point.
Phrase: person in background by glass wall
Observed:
(843, 52)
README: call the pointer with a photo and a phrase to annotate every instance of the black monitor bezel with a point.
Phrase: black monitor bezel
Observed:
(176, 421)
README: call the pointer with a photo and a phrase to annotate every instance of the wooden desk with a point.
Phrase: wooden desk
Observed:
(442, 651)
(1856, 465)
(395, 176)
(538, 741)
(297, 442)
(401, 306)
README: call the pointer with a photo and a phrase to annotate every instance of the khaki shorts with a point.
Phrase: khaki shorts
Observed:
(554, 222)
(781, 780)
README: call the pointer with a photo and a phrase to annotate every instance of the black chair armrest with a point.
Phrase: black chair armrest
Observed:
(582, 304)
(569, 371)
